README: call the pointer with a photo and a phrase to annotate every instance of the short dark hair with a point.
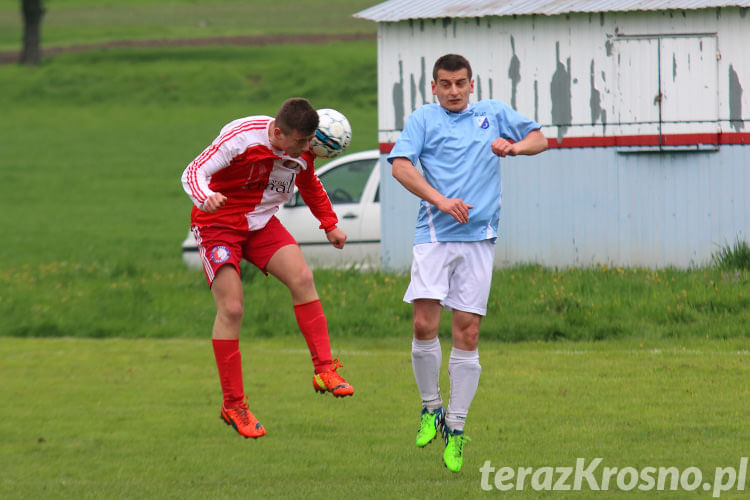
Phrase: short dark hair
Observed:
(451, 62)
(297, 114)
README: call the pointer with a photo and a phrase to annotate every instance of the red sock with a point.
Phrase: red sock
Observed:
(313, 325)
(229, 362)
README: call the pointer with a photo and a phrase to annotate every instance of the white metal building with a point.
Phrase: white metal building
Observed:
(646, 105)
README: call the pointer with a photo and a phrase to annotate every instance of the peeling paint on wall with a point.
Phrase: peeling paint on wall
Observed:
(398, 97)
(514, 73)
(595, 100)
(561, 96)
(423, 81)
(413, 93)
(735, 101)
(418, 87)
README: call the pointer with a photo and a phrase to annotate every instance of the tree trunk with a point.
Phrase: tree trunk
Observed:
(33, 11)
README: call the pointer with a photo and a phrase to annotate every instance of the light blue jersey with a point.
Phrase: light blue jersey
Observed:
(457, 159)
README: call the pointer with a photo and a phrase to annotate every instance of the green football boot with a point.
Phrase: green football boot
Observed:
(429, 425)
(453, 456)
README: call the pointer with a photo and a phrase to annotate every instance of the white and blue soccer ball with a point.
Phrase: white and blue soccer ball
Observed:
(333, 134)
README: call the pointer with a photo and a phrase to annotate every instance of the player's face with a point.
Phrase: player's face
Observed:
(452, 89)
(293, 144)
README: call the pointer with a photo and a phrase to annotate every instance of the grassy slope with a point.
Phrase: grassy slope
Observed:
(96, 142)
(70, 22)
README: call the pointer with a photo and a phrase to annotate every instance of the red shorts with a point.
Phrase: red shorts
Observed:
(218, 246)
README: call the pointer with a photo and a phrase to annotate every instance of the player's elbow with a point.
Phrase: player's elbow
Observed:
(399, 168)
(541, 142)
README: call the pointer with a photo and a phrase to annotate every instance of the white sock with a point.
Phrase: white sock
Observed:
(464, 370)
(426, 358)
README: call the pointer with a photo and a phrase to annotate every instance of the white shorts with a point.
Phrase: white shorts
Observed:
(457, 273)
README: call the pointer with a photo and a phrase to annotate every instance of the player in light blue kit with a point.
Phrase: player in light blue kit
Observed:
(458, 144)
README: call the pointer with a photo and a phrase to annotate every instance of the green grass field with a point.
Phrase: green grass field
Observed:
(108, 384)
(139, 418)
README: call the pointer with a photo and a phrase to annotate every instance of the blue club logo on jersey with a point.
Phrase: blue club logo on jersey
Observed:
(219, 254)
(482, 122)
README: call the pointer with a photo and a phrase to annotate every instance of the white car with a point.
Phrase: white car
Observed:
(353, 185)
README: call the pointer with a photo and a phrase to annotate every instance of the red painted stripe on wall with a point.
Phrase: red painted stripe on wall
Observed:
(635, 140)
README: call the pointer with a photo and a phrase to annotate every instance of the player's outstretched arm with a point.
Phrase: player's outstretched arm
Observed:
(407, 174)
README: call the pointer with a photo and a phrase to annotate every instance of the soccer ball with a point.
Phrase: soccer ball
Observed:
(333, 134)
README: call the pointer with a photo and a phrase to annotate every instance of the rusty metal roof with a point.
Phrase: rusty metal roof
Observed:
(399, 10)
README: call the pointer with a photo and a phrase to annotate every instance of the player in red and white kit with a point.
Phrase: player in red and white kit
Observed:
(237, 184)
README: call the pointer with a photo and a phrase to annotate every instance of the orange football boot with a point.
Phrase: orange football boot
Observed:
(330, 381)
(242, 420)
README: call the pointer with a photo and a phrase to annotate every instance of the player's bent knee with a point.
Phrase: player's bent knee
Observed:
(231, 311)
(303, 280)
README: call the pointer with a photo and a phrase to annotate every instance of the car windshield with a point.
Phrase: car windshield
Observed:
(345, 183)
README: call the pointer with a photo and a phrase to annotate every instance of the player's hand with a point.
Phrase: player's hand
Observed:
(503, 147)
(457, 208)
(337, 237)
(214, 202)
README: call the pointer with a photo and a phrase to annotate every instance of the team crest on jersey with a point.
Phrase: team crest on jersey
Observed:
(219, 254)
(482, 122)
(290, 164)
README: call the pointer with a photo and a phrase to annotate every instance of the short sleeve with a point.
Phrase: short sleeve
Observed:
(411, 141)
(512, 124)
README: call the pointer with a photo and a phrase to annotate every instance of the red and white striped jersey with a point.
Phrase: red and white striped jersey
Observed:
(255, 177)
